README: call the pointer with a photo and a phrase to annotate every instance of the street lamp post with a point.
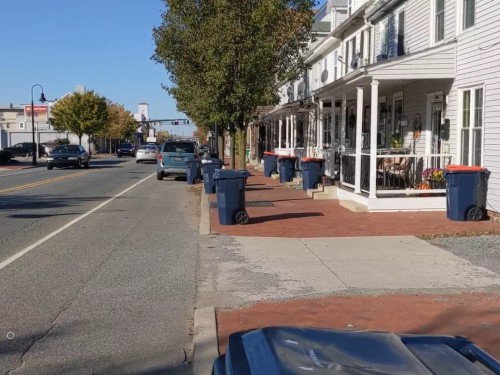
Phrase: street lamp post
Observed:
(42, 100)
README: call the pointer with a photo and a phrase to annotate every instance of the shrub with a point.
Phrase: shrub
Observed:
(5, 156)
(61, 141)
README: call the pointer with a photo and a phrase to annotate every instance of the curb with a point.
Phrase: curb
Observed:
(205, 347)
(205, 214)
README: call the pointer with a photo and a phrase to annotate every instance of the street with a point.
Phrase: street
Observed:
(97, 270)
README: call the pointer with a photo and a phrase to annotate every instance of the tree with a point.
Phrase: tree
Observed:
(226, 57)
(80, 113)
(120, 122)
(162, 136)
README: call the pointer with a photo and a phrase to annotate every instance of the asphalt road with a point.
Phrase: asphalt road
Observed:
(111, 292)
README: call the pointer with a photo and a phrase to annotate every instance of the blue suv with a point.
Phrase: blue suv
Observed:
(172, 158)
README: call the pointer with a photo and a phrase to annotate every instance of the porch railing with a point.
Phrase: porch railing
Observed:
(416, 174)
(409, 174)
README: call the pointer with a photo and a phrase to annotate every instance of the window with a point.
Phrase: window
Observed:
(353, 63)
(349, 7)
(383, 39)
(335, 64)
(439, 21)
(368, 46)
(21, 125)
(346, 62)
(469, 14)
(472, 127)
(361, 48)
(327, 130)
(401, 33)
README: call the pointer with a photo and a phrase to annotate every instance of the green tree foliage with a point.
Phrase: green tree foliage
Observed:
(80, 113)
(227, 57)
(162, 136)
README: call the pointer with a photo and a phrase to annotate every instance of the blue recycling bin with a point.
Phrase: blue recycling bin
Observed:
(287, 168)
(297, 350)
(466, 190)
(270, 163)
(311, 172)
(230, 186)
(193, 171)
(209, 167)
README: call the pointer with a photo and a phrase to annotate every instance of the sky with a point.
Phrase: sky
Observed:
(104, 45)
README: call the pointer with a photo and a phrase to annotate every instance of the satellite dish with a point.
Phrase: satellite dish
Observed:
(355, 60)
(324, 76)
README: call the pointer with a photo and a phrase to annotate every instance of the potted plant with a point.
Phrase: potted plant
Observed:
(434, 177)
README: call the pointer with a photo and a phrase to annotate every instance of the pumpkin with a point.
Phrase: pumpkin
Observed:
(424, 186)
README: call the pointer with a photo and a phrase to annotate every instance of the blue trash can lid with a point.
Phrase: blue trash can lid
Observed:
(192, 160)
(213, 161)
(294, 350)
(226, 174)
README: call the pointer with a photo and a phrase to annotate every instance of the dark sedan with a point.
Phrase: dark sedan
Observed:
(125, 149)
(25, 149)
(68, 156)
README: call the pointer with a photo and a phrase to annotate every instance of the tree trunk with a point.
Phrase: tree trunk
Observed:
(110, 145)
(242, 147)
(220, 144)
(232, 149)
(80, 139)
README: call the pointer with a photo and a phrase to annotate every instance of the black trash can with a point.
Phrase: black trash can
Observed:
(209, 167)
(230, 185)
(287, 168)
(466, 190)
(296, 350)
(311, 172)
(270, 163)
(193, 171)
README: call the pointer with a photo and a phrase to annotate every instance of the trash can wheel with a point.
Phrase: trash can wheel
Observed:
(242, 218)
(475, 214)
(197, 180)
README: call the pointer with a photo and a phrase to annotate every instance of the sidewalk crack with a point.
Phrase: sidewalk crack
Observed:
(321, 260)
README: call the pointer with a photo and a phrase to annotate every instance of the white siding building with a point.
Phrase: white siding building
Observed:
(397, 88)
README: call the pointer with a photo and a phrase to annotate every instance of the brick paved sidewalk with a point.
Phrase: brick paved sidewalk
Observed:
(294, 214)
(476, 316)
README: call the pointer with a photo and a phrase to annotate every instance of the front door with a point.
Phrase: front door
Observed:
(436, 132)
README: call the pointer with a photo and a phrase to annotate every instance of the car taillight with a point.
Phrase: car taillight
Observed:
(160, 157)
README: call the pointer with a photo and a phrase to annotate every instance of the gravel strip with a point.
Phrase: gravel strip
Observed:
(483, 251)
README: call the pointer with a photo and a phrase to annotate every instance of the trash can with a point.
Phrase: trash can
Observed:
(466, 189)
(193, 171)
(270, 163)
(286, 168)
(230, 185)
(311, 172)
(296, 350)
(209, 167)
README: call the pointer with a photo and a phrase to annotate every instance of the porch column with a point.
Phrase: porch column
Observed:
(293, 127)
(320, 126)
(343, 122)
(288, 132)
(373, 140)
(333, 130)
(280, 124)
(359, 125)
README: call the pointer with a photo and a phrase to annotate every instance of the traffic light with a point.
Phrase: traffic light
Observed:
(176, 122)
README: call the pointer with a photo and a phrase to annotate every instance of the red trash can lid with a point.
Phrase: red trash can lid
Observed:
(313, 159)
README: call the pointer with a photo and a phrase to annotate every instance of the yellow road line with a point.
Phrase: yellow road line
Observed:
(44, 182)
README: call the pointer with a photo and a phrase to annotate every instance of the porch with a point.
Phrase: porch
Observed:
(391, 158)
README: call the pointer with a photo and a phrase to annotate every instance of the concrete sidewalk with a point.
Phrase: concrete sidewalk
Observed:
(341, 269)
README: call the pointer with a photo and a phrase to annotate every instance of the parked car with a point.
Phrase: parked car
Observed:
(125, 149)
(147, 152)
(171, 160)
(68, 155)
(25, 149)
